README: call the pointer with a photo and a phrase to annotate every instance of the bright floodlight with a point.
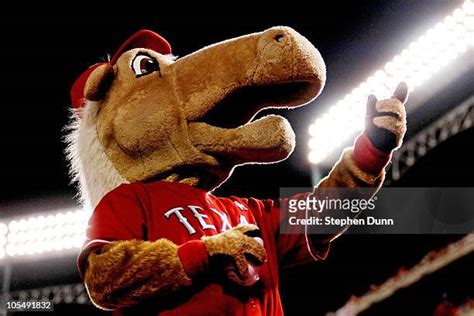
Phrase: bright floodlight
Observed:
(39, 234)
(414, 65)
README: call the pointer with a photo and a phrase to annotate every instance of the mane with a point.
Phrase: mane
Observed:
(90, 168)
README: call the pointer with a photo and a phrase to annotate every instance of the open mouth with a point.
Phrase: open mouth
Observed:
(241, 106)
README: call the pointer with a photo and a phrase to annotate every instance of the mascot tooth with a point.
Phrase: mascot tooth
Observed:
(152, 136)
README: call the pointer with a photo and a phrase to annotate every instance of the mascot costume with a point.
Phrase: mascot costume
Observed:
(153, 135)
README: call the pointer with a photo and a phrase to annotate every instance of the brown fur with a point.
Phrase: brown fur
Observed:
(126, 272)
(149, 126)
(130, 271)
(235, 244)
(273, 134)
(345, 174)
(98, 82)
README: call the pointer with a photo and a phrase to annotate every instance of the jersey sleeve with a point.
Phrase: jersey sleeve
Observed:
(118, 216)
(295, 247)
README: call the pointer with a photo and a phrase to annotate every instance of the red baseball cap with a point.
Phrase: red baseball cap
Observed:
(141, 39)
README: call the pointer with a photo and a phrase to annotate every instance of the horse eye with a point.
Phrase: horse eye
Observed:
(144, 65)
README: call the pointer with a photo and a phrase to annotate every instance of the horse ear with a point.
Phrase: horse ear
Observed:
(99, 82)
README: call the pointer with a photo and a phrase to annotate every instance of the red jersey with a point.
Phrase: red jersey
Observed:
(179, 213)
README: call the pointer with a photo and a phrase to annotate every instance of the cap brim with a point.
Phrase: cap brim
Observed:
(143, 39)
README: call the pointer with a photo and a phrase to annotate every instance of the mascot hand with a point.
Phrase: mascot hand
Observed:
(237, 252)
(385, 123)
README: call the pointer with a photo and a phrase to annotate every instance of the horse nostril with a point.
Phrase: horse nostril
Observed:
(278, 37)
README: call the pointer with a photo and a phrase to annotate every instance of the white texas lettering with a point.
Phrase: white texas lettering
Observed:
(240, 205)
(225, 220)
(181, 218)
(243, 220)
(201, 217)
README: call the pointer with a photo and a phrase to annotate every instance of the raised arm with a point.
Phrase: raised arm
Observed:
(363, 165)
(360, 169)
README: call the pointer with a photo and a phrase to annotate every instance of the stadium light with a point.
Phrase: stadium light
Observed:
(45, 233)
(414, 65)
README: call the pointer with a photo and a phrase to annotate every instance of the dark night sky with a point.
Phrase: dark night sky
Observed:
(42, 56)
